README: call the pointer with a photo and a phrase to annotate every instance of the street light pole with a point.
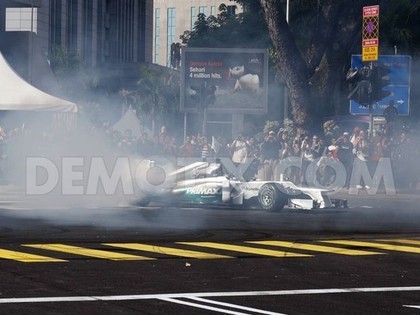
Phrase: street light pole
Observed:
(285, 90)
(31, 52)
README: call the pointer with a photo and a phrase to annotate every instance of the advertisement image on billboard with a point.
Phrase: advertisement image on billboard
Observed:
(224, 80)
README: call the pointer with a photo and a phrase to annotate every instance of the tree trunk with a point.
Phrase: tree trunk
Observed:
(290, 63)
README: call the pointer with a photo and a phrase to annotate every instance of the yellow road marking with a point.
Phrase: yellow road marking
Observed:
(25, 257)
(96, 253)
(168, 250)
(317, 248)
(399, 248)
(410, 242)
(245, 249)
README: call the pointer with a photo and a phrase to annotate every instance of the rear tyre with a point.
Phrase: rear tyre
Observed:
(270, 198)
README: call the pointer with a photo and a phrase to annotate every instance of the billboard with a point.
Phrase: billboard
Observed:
(399, 84)
(224, 80)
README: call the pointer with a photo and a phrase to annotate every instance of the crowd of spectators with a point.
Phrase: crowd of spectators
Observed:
(277, 146)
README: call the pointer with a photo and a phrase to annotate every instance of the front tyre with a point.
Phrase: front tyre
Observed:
(270, 198)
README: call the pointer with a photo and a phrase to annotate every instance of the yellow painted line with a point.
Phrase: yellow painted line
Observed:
(399, 248)
(168, 250)
(96, 253)
(245, 249)
(316, 248)
(25, 257)
(410, 242)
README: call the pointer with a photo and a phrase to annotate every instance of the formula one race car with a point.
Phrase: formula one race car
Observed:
(204, 183)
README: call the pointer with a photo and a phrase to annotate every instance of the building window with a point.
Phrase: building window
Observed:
(193, 16)
(231, 10)
(21, 19)
(157, 36)
(203, 10)
(72, 17)
(170, 32)
(213, 10)
(88, 32)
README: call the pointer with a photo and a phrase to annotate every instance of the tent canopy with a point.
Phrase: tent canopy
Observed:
(17, 94)
(130, 121)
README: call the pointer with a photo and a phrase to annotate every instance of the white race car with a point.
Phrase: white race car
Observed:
(204, 183)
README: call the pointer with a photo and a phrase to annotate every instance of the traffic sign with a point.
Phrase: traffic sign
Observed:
(370, 33)
(399, 86)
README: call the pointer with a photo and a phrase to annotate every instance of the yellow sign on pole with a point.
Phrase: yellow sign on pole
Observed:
(370, 33)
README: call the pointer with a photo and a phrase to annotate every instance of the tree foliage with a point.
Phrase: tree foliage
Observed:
(312, 50)
(245, 29)
(157, 94)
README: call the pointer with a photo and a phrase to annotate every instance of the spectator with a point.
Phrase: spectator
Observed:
(307, 158)
(206, 150)
(294, 152)
(354, 135)
(222, 150)
(187, 149)
(391, 116)
(239, 149)
(345, 155)
(326, 174)
(361, 146)
(361, 151)
(270, 153)
(170, 146)
(317, 147)
(253, 149)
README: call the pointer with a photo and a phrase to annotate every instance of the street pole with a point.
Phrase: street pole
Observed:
(371, 112)
(31, 52)
(205, 121)
(203, 106)
(185, 125)
(371, 121)
(285, 90)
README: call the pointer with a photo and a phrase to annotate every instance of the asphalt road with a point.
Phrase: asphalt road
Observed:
(359, 260)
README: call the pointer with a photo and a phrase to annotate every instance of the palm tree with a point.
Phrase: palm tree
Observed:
(157, 93)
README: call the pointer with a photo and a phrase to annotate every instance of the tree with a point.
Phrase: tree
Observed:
(312, 52)
(157, 94)
(246, 29)
(400, 19)
(328, 32)
(292, 67)
(298, 54)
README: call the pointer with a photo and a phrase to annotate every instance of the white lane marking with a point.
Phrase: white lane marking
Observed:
(202, 294)
(210, 308)
(255, 310)
(412, 306)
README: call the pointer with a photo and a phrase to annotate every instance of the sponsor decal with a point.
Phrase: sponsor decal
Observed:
(204, 191)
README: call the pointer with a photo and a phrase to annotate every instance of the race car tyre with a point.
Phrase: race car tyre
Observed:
(270, 198)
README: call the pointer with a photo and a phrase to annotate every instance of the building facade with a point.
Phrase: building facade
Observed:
(172, 17)
(115, 35)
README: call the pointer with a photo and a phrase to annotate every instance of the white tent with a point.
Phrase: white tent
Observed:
(130, 121)
(17, 94)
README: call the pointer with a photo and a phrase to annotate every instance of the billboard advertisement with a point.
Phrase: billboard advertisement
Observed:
(224, 80)
(399, 67)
